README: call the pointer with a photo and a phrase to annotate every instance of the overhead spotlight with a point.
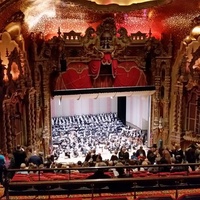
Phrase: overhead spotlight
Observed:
(59, 101)
(97, 96)
(131, 94)
(79, 97)
(112, 97)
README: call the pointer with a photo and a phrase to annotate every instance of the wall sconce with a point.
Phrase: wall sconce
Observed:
(160, 124)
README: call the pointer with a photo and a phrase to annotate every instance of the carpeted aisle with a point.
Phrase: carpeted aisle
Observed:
(124, 196)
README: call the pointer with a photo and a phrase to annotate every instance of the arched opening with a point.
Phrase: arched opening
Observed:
(94, 121)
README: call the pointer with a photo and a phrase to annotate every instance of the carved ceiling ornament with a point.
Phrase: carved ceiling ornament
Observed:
(191, 49)
(188, 85)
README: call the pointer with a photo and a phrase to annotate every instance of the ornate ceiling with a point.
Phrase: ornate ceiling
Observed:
(161, 16)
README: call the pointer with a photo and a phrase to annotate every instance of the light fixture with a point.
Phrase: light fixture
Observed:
(120, 5)
(79, 97)
(112, 97)
(97, 96)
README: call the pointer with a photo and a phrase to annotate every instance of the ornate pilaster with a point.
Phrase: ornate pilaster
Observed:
(7, 125)
(38, 104)
(155, 109)
(179, 115)
(29, 128)
(33, 118)
(4, 138)
(46, 111)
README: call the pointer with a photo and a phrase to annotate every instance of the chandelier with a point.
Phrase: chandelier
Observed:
(120, 5)
(118, 2)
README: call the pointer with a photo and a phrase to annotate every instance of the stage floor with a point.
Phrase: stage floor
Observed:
(105, 153)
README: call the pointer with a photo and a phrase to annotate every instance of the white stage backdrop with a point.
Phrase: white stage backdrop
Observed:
(137, 111)
(137, 108)
(68, 107)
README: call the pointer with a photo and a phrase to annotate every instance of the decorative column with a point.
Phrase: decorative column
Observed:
(166, 101)
(33, 119)
(46, 111)
(8, 128)
(37, 81)
(174, 114)
(156, 110)
(4, 138)
(30, 128)
(179, 128)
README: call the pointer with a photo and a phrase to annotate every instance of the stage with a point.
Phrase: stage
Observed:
(105, 153)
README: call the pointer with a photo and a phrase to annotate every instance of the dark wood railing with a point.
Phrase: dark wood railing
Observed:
(136, 181)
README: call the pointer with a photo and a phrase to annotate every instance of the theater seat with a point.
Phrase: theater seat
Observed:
(164, 197)
(194, 180)
(189, 197)
(20, 178)
(147, 183)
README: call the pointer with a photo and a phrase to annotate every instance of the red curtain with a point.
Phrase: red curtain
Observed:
(75, 77)
(94, 68)
(95, 65)
(128, 74)
(80, 75)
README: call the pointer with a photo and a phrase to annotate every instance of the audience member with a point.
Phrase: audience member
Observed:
(114, 156)
(177, 153)
(23, 167)
(123, 154)
(99, 173)
(191, 156)
(2, 166)
(152, 154)
(35, 159)
(19, 156)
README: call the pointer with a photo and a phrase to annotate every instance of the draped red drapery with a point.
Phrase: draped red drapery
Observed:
(128, 74)
(80, 75)
(76, 77)
(95, 65)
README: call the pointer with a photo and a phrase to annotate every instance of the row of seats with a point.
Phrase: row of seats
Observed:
(168, 197)
(76, 175)
(36, 183)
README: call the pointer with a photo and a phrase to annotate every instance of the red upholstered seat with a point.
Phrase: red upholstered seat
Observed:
(163, 197)
(21, 178)
(151, 182)
(37, 177)
(164, 174)
(58, 177)
(178, 173)
(193, 180)
(193, 173)
(189, 197)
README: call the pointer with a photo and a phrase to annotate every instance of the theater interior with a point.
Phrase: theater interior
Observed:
(77, 75)
(140, 59)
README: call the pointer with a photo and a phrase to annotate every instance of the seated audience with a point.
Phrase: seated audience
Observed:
(22, 166)
(114, 156)
(152, 154)
(35, 159)
(123, 154)
(99, 173)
